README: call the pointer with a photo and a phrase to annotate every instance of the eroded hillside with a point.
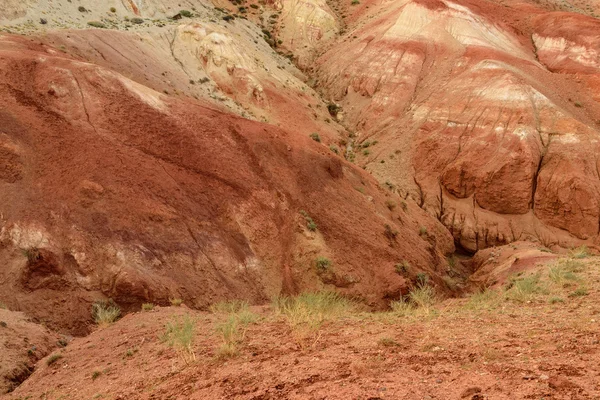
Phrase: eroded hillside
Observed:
(158, 150)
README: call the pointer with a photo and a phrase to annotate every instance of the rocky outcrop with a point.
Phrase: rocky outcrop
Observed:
(469, 123)
(120, 191)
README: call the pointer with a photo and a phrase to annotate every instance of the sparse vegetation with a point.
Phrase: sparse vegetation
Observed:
(418, 303)
(147, 307)
(402, 267)
(579, 252)
(355, 2)
(130, 352)
(389, 232)
(105, 312)
(315, 136)
(96, 375)
(81, 9)
(53, 358)
(323, 263)
(137, 20)
(580, 291)
(422, 279)
(232, 330)
(310, 224)
(422, 231)
(96, 24)
(486, 299)
(186, 13)
(564, 271)
(333, 109)
(179, 334)
(176, 302)
(113, 10)
(523, 289)
(334, 149)
(306, 313)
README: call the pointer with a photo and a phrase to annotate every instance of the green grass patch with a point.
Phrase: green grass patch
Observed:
(105, 312)
(232, 328)
(306, 313)
(179, 334)
(523, 289)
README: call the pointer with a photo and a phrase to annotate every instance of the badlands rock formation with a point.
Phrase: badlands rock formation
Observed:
(111, 189)
(167, 154)
(470, 119)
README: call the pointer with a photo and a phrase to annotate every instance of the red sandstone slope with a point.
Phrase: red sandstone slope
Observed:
(112, 189)
(471, 118)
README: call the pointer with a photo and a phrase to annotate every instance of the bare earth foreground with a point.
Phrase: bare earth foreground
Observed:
(536, 338)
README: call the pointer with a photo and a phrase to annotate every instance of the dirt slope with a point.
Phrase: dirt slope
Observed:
(23, 344)
(162, 197)
(538, 347)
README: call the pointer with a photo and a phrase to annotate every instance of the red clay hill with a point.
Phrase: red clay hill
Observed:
(111, 189)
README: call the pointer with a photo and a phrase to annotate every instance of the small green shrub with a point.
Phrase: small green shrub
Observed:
(176, 302)
(355, 2)
(310, 224)
(333, 109)
(580, 291)
(137, 20)
(315, 136)
(105, 312)
(323, 264)
(179, 334)
(334, 149)
(147, 307)
(3, 306)
(389, 232)
(422, 278)
(130, 352)
(96, 24)
(53, 358)
(81, 9)
(113, 10)
(96, 375)
(186, 13)
(555, 300)
(422, 231)
(578, 104)
(402, 268)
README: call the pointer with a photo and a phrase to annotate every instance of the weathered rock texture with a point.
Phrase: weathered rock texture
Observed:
(472, 120)
(111, 189)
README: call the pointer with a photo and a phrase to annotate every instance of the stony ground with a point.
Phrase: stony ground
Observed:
(538, 339)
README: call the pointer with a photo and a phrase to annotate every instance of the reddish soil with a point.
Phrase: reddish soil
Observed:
(162, 197)
(23, 343)
(511, 351)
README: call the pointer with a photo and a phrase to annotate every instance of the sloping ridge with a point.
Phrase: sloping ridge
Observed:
(114, 190)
